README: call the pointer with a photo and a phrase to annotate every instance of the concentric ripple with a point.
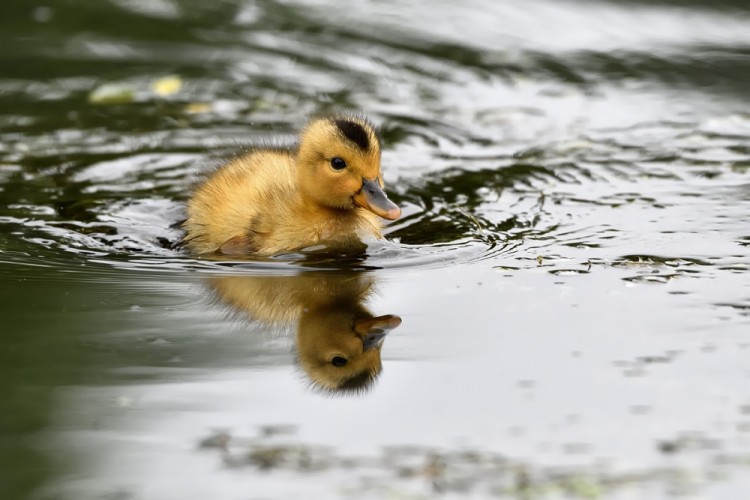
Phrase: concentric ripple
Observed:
(502, 154)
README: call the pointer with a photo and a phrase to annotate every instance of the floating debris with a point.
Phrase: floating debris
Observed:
(219, 440)
(431, 471)
(112, 93)
(167, 86)
(196, 108)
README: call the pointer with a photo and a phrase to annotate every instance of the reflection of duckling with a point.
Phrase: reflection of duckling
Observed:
(338, 339)
(339, 344)
(326, 191)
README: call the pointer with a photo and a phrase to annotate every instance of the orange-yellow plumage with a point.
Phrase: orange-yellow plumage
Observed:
(270, 201)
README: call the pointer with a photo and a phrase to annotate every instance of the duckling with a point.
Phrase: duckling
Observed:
(338, 340)
(327, 191)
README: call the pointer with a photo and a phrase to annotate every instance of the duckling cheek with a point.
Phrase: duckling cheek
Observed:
(339, 191)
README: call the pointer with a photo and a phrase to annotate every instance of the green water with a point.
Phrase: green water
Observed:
(571, 269)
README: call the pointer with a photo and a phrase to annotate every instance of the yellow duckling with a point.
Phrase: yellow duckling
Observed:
(327, 191)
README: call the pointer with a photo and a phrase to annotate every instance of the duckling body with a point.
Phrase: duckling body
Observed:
(327, 191)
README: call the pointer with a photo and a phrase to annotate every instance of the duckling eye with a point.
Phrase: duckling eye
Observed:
(338, 164)
(338, 361)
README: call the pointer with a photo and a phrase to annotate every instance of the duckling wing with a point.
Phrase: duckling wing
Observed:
(225, 212)
(243, 244)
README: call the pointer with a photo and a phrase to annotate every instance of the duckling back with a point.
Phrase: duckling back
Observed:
(228, 209)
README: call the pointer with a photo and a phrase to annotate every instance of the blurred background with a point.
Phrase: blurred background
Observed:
(571, 269)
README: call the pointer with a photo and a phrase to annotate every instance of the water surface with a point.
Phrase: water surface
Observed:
(571, 270)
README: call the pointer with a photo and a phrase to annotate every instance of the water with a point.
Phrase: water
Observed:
(571, 270)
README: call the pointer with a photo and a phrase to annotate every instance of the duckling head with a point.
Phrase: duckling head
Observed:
(339, 347)
(338, 166)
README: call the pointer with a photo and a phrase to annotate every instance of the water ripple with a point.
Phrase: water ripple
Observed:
(496, 153)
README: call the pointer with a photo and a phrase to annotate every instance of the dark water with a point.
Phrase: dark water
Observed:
(571, 270)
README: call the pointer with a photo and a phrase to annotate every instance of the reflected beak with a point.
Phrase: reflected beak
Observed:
(373, 198)
(373, 330)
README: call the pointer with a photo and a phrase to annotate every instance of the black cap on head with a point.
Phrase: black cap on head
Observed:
(354, 132)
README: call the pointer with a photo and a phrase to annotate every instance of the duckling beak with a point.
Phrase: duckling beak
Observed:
(373, 330)
(373, 198)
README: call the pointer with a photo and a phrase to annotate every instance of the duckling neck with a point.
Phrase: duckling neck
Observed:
(326, 219)
(305, 188)
(330, 226)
